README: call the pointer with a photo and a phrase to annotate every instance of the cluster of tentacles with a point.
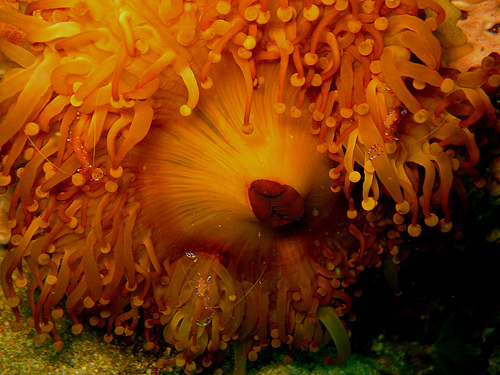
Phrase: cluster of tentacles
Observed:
(87, 80)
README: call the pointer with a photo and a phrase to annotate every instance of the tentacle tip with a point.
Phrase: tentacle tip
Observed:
(279, 108)
(295, 112)
(185, 110)
(352, 214)
(297, 81)
(77, 329)
(447, 85)
(403, 208)
(369, 204)
(214, 57)
(13, 302)
(285, 14)
(414, 230)
(5, 180)
(247, 129)
(355, 176)
(310, 58)
(445, 226)
(208, 83)
(322, 148)
(432, 220)
(312, 13)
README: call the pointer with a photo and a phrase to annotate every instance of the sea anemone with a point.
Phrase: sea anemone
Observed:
(223, 170)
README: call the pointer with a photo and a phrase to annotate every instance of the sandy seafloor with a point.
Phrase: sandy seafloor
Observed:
(446, 322)
(89, 354)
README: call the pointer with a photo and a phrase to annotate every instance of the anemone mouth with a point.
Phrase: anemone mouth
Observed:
(275, 204)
